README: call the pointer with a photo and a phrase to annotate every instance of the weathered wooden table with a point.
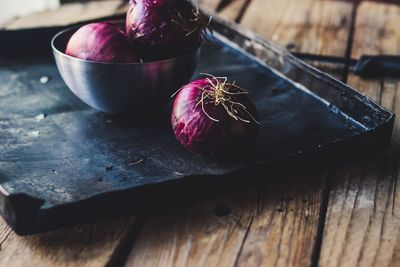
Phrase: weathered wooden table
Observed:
(344, 215)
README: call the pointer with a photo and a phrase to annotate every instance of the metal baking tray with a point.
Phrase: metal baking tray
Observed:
(63, 163)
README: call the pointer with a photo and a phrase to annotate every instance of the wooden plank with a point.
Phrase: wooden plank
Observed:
(308, 26)
(227, 9)
(88, 245)
(233, 9)
(209, 4)
(69, 14)
(363, 219)
(275, 224)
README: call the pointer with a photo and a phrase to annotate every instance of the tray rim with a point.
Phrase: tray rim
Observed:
(319, 74)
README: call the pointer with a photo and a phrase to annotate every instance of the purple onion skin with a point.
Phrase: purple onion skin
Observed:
(102, 42)
(155, 27)
(203, 136)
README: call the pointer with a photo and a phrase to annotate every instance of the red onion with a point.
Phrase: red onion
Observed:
(212, 117)
(102, 42)
(164, 28)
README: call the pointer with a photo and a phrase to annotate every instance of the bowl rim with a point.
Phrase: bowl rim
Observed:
(58, 51)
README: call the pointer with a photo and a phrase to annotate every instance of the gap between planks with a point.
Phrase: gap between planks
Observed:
(95, 244)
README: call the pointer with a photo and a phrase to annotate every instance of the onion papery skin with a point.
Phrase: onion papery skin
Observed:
(102, 42)
(163, 29)
(206, 137)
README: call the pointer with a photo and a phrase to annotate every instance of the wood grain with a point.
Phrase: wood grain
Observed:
(87, 245)
(363, 219)
(275, 224)
(309, 26)
(233, 9)
(209, 4)
(69, 14)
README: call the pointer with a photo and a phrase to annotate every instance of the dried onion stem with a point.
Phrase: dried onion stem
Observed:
(218, 93)
(199, 24)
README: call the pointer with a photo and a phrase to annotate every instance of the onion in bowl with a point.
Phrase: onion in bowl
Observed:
(164, 28)
(102, 42)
